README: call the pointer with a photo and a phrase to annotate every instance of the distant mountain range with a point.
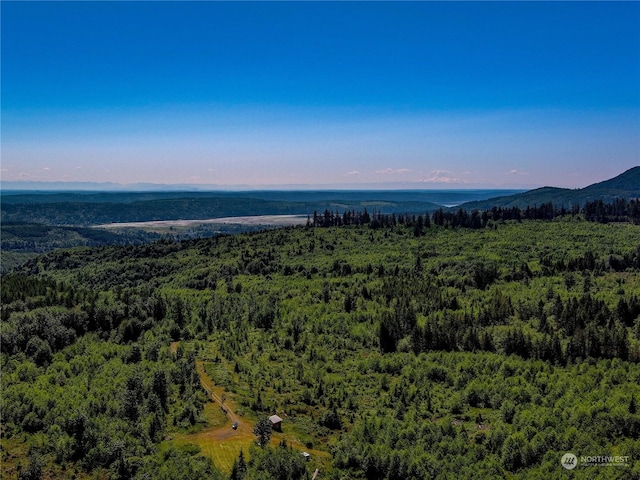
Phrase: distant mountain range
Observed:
(625, 185)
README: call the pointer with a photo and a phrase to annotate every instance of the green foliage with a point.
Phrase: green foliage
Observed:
(262, 430)
(239, 469)
(97, 410)
(281, 463)
(475, 353)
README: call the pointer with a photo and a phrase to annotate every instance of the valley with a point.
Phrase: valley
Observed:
(255, 220)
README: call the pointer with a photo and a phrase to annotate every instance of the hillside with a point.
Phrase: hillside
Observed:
(625, 185)
(95, 211)
(42, 238)
(439, 197)
(388, 352)
(23, 240)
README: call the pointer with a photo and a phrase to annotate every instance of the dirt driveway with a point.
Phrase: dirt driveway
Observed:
(225, 432)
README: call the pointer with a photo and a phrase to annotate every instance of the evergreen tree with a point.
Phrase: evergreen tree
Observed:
(239, 469)
(262, 430)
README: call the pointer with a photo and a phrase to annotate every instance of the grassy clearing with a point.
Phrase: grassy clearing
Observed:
(223, 451)
(219, 442)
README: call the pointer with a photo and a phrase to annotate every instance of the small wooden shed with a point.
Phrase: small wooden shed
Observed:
(276, 422)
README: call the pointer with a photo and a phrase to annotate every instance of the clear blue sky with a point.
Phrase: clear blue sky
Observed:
(448, 94)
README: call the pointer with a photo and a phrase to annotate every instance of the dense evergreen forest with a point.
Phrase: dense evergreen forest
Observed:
(456, 345)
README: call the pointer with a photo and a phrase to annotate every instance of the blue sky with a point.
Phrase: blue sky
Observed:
(419, 94)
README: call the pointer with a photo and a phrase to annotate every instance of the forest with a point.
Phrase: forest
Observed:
(99, 208)
(450, 345)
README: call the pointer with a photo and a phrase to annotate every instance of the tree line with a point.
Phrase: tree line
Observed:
(620, 210)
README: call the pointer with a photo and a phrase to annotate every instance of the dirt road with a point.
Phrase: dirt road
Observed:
(244, 427)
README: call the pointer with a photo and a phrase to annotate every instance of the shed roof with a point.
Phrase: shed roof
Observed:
(275, 419)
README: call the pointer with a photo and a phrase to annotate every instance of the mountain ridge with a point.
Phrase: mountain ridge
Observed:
(626, 185)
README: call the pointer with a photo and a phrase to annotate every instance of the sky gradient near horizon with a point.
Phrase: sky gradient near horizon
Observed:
(334, 94)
